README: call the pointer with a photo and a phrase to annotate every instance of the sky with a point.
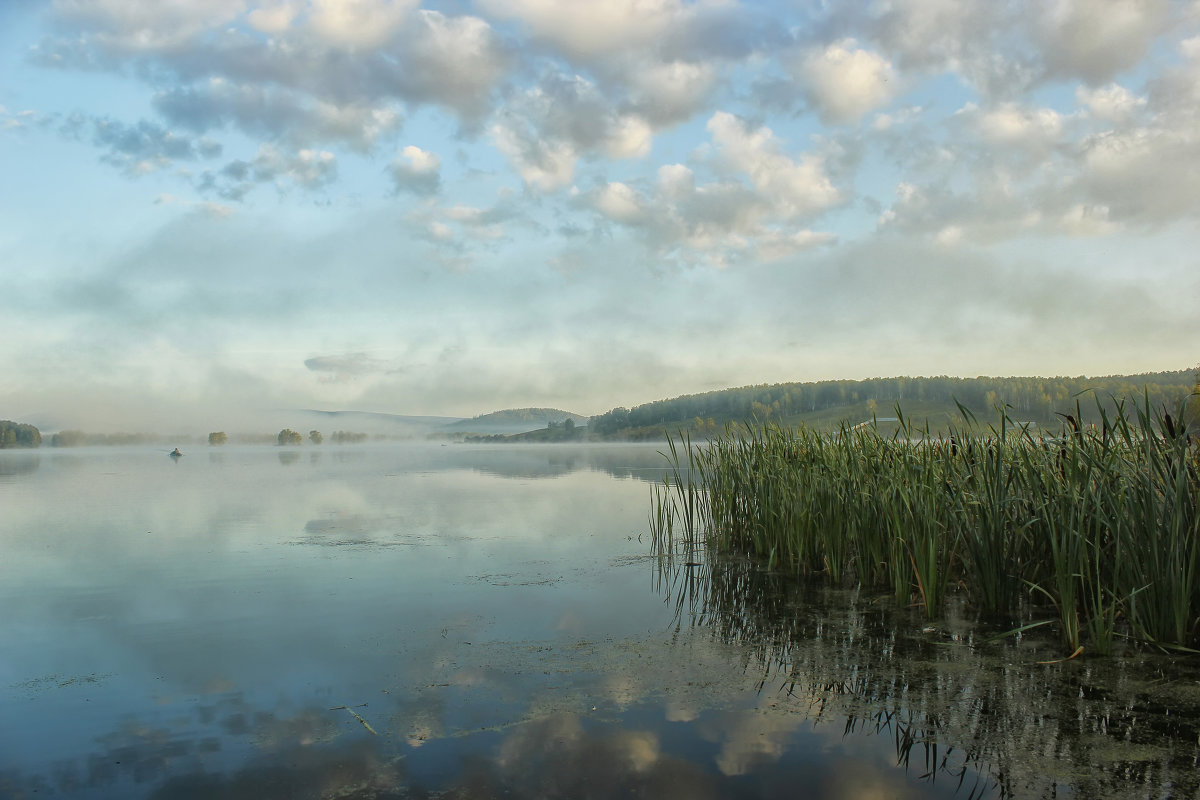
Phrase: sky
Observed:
(212, 208)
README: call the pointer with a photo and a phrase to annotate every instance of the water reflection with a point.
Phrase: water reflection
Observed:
(529, 461)
(952, 698)
(14, 463)
(193, 630)
(317, 753)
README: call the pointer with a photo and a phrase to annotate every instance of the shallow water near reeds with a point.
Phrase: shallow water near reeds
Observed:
(485, 621)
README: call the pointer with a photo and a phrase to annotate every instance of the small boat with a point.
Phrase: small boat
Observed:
(175, 453)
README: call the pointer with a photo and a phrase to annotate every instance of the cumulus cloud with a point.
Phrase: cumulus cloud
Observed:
(19, 120)
(1013, 125)
(279, 114)
(757, 209)
(793, 187)
(417, 171)
(328, 66)
(1004, 47)
(955, 36)
(1111, 103)
(660, 60)
(128, 28)
(460, 232)
(726, 221)
(844, 81)
(147, 147)
(357, 23)
(589, 30)
(544, 165)
(668, 92)
(306, 168)
(545, 130)
(1096, 39)
(1144, 176)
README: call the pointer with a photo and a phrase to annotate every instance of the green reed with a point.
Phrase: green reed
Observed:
(1099, 523)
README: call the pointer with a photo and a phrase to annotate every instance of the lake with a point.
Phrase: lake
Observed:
(478, 621)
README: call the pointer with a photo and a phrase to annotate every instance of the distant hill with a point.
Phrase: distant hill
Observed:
(826, 404)
(513, 420)
(373, 422)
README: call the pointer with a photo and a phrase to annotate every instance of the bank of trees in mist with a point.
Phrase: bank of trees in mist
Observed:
(18, 434)
(289, 437)
(76, 438)
(1037, 400)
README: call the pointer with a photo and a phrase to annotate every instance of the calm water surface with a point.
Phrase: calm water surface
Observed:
(488, 621)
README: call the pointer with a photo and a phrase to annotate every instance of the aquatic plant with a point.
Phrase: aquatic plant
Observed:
(1099, 523)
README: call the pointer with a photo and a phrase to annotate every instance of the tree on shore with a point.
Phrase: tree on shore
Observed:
(287, 436)
(69, 439)
(315, 437)
(217, 437)
(18, 434)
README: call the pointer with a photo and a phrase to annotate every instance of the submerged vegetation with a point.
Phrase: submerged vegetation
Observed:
(1098, 525)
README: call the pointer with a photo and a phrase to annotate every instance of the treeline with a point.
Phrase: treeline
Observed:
(1029, 399)
(18, 434)
(74, 438)
(565, 431)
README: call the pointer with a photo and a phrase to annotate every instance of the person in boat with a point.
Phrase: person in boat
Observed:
(175, 453)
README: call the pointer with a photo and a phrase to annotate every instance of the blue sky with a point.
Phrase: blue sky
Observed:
(214, 208)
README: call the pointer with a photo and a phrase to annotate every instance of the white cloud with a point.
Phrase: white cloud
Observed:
(1097, 39)
(1111, 103)
(1009, 124)
(620, 203)
(721, 223)
(546, 129)
(417, 171)
(793, 187)
(273, 18)
(1087, 220)
(363, 54)
(844, 81)
(313, 168)
(667, 92)
(958, 37)
(542, 164)
(903, 116)
(1145, 176)
(629, 136)
(949, 236)
(147, 147)
(138, 27)
(358, 23)
(588, 30)
(277, 113)
(307, 168)
(757, 210)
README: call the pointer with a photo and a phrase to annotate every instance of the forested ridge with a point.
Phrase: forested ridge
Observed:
(1037, 400)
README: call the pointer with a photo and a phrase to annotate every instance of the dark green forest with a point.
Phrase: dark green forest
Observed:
(828, 403)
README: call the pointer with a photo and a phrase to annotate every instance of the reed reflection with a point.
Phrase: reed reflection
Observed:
(998, 717)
